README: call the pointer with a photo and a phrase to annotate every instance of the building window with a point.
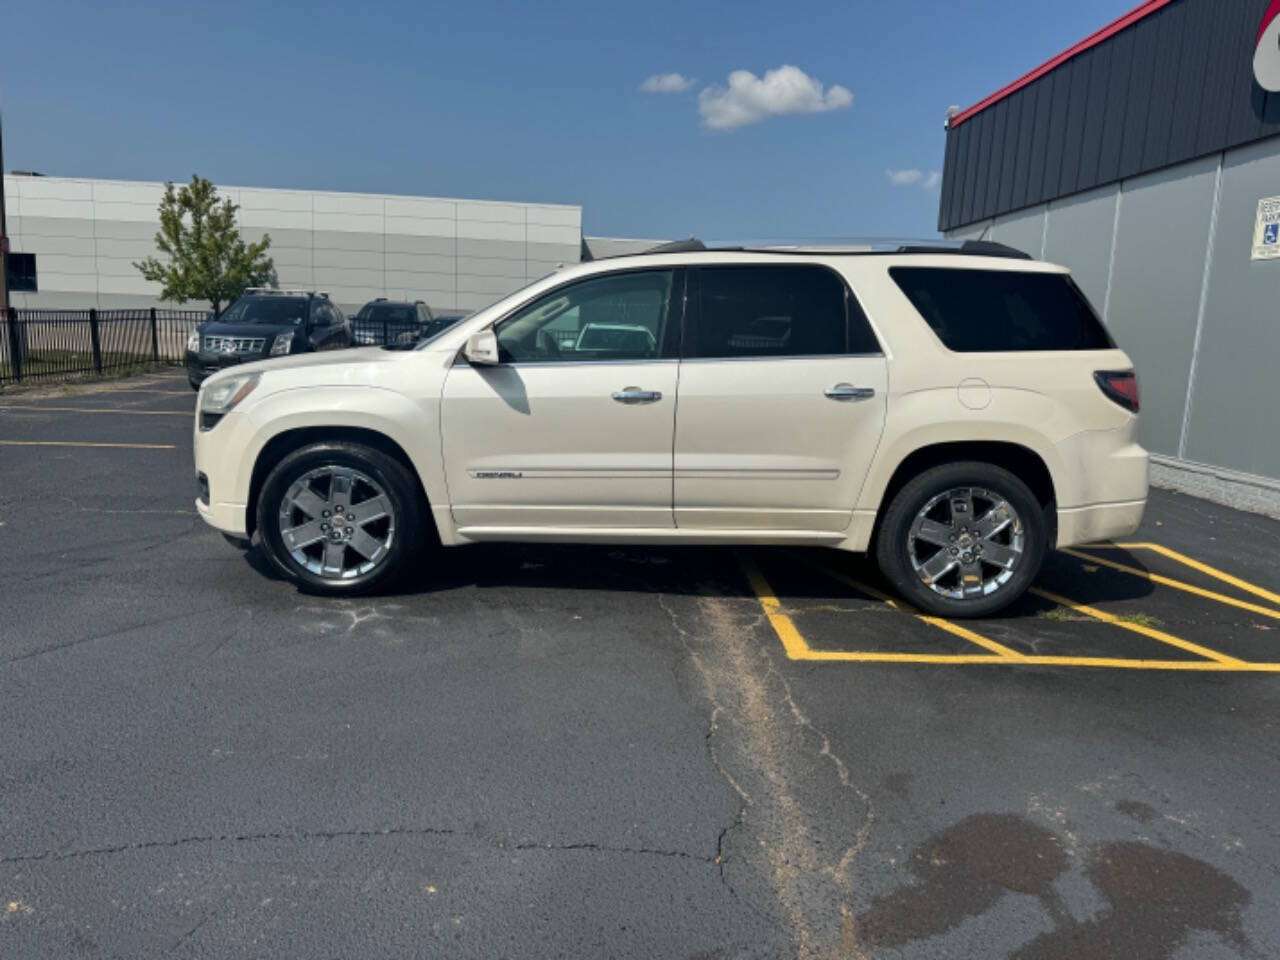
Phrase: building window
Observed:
(21, 271)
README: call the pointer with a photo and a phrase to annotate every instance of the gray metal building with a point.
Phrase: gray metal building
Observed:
(454, 254)
(1147, 159)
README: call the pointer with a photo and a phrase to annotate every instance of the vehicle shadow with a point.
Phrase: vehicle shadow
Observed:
(795, 574)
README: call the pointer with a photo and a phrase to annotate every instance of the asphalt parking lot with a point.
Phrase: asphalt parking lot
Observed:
(605, 752)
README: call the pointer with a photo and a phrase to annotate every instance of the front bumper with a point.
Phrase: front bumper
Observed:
(217, 455)
(205, 363)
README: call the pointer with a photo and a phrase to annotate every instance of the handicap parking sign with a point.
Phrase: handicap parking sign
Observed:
(1266, 238)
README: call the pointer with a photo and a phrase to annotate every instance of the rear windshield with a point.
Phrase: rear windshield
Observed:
(276, 311)
(991, 311)
(389, 312)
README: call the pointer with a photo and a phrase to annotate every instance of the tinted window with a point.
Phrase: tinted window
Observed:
(776, 311)
(270, 310)
(622, 316)
(402, 313)
(985, 311)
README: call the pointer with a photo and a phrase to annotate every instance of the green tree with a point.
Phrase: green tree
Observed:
(205, 256)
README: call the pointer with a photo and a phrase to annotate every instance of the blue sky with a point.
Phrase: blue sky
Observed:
(529, 101)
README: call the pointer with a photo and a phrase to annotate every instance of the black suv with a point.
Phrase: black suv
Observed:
(265, 323)
(384, 321)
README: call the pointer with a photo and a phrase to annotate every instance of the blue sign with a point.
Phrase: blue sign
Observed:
(1271, 233)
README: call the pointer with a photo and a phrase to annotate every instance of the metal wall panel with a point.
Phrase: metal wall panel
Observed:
(1155, 291)
(1174, 86)
(1079, 237)
(1236, 391)
(1023, 231)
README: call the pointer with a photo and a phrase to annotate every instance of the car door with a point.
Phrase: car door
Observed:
(558, 438)
(781, 402)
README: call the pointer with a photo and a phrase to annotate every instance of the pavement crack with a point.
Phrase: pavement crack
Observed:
(605, 848)
(265, 837)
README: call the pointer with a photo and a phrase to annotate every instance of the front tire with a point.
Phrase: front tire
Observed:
(963, 539)
(340, 518)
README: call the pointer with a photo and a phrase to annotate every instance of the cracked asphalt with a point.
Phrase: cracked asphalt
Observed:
(539, 751)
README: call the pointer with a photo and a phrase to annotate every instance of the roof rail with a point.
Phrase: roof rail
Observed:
(283, 293)
(973, 248)
(692, 245)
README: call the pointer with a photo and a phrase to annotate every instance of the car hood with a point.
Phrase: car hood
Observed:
(213, 328)
(326, 367)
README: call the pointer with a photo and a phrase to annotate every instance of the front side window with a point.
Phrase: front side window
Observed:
(776, 311)
(989, 311)
(623, 316)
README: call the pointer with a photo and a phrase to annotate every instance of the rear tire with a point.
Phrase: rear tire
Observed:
(341, 518)
(963, 539)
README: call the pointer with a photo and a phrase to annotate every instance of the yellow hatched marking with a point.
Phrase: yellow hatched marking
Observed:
(1194, 564)
(1176, 584)
(1146, 631)
(942, 624)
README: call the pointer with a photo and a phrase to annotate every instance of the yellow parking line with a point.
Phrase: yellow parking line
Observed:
(145, 413)
(792, 641)
(1194, 564)
(950, 660)
(952, 628)
(1146, 631)
(1170, 582)
(83, 443)
(797, 648)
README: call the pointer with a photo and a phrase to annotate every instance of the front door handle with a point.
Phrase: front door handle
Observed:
(636, 395)
(847, 392)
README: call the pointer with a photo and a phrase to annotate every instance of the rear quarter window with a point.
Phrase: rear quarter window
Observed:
(1001, 311)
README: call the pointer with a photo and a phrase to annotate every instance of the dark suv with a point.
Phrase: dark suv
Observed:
(384, 321)
(265, 323)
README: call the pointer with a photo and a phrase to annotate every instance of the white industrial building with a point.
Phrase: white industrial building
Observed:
(456, 255)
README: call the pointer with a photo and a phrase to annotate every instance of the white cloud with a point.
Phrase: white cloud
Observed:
(913, 178)
(750, 99)
(667, 83)
(904, 178)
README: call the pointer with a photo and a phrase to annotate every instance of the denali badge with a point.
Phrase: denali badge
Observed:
(497, 474)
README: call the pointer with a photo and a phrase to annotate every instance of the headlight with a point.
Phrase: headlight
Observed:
(280, 346)
(193, 341)
(218, 399)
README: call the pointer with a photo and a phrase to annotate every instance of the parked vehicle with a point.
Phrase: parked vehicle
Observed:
(384, 321)
(954, 410)
(265, 323)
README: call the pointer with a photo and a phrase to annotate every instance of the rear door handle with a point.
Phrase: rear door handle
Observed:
(636, 395)
(847, 392)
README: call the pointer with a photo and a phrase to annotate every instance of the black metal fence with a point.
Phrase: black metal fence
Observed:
(61, 344)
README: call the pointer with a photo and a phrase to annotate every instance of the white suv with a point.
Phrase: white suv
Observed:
(955, 410)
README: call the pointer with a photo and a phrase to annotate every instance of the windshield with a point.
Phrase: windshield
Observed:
(276, 311)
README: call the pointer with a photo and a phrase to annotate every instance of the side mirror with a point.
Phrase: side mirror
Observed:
(482, 349)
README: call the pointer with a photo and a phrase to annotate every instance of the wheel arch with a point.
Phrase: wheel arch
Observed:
(1022, 461)
(285, 442)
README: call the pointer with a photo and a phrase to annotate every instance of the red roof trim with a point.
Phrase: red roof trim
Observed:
(1128, 20)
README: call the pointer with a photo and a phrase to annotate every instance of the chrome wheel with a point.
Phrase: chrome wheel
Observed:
(966, 543)
(337, 523)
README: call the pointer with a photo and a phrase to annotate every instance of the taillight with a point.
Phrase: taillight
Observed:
(1120, 386)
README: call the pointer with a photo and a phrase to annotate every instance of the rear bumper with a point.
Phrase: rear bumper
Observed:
(1103, 521)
